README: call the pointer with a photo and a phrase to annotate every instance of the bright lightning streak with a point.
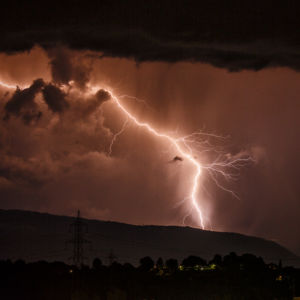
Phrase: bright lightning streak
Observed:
(115, 137)
(176, 143)
(217, 167)
(185, 147)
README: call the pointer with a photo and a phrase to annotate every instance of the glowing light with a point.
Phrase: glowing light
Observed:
(115, 136)
(218, 166)
(12, 86)
(176, 143)
(7, 86)
(186, 148)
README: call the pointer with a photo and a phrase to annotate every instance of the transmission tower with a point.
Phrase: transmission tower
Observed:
(78, 229)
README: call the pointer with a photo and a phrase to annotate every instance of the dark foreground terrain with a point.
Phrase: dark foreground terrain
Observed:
(178, 263)
(33, 236)
(230, 277)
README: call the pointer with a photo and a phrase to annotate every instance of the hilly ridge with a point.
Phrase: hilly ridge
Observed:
(34, 236)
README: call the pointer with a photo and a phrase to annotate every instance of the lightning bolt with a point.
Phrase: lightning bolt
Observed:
(218, 166)
(176, 143)
(185, 147)
(115, 136)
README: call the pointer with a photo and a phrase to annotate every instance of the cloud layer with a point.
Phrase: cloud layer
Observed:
(59, 161)
(252, 35)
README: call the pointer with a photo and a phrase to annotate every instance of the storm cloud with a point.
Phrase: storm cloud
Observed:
(22, 103)
(64, 68)
(252, 35)
(62, 162)
(55, 98)
(161, 60)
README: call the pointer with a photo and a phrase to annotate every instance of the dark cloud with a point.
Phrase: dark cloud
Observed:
(102, 96)
(64, 69)
(55, 98)
(232, 35)
(22, 103)
(258, 110)
(61, 65)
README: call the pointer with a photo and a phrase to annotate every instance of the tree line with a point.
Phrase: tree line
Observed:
(224, 277)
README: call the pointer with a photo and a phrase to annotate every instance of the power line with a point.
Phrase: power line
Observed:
(78, 229)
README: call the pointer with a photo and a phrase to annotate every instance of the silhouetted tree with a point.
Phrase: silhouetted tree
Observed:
(97, 263)
(127, 267)
(280, 264)
(250, 262)
(20, 263)
(217, 260)
(159, 263)
(172, 264)
(115, 267)
(193, 261)
(56, 280)
(146, 264)
(231, 261)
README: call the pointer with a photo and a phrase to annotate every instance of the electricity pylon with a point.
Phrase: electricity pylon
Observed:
(78, 229)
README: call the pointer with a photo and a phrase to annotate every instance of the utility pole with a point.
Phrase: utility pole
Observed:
(78, 229)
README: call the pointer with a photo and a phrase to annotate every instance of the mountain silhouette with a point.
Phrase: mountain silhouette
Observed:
(34, 236)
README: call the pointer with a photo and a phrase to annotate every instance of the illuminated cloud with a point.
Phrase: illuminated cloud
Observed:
(61, 163)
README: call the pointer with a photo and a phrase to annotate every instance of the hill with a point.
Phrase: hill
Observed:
(36, 236)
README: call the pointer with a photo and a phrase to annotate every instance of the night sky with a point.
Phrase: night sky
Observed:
(219, 67)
